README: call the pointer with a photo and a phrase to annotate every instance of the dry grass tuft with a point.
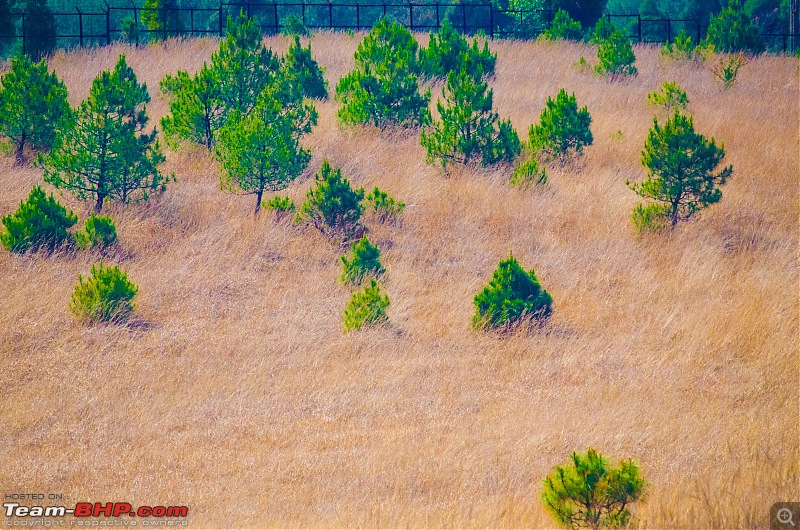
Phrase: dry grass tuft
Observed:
(237, 393)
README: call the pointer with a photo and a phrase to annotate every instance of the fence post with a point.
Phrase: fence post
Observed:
(191, 19)
(24, 48)
(304, 13)
(669, 30)
(108, 24)
(491, 21)
(330, 13)
(698, 31)
(639, 25)
(275, 12)
(358, 18)
(220, 20)
(80, 25)
(464, 18)
(410, 16)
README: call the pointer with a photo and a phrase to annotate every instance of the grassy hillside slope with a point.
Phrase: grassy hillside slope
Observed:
(237, 394)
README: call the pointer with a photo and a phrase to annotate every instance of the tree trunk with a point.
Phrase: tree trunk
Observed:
(19, 154)
(99, 204)
(259, 194)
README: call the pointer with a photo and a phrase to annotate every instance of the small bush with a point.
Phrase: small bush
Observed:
(602, 31)
(670, 97)
(130, 31)
(511, 295)
(448, 50)
(726, 70)
(332, 205)
(367, 307)
(589, 493)
(386, 207)
(650, 218)
(293, 25)
(98, 232)
(563, 28)
(563, 129)
(362, 262)
(105, 296)
(616, 56)
(528, 173)
(282, 206)
(680, 49)
(304, 70)
(39, 222)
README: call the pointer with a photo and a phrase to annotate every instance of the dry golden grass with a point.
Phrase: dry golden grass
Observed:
(237, 393)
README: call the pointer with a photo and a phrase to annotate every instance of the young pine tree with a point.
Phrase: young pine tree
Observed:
(732, 31)
(39, 222)
(362, 262)
(563, 28)
(563, 129)
(682, 169)
(589, 493)
(616, 57)
(196, 109)
(161, 17)
(305, 71)
(106, 295)
(669, 97)
(448, 50)
(332, 205)
(33, 105)
(99, 231)
(468, 129)
(367, 307)
(383, 88)
(261, 151)
(511, 295)
(105, 153)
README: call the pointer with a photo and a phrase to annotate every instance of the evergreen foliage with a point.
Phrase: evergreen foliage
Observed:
(670, 97)
(98, 232)
(305, 71)
(650, 218)
(727, 69)
(602, 31)
(680, 49)
(732, 31)
(511, 295)
(563, 129)
(40, 222)
(105, 154)
(361, 262)
(589, 493)
(616, 57)
(196, 108)
(563, 28)
(367, 307)
(105, 295)
(7, 27)
(332, 205)
(293, 25)
(261, 151)
(386, 207)
(282, 206)
(468, 129)
(528, 173)
(448, 51)
(33, 106)
(160, 17)
(681, 167)
(383, 88)
(39, 29)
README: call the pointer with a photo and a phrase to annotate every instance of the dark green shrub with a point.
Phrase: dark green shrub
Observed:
(367, 307)
(602, 31)
(383, 88)
(386, 207)
(468, 129)
(332, 205)
(528, 173)
(293, 25)
(670, 97)
(589, 493)
(130, 31)
(98, 232)
(362, 262)
(563, 129)
(304, 70)
(282, 206)
(511, 295)
(39, 222)
(33, 105)
(39, 28)
(681, 168)
(448, 51)
(680, 49)
(105, 296)
(732, 31)
(563, 28)
(616, 57)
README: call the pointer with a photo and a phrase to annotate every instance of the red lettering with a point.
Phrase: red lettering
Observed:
(121, 508)
(100, 509)
(83, 509)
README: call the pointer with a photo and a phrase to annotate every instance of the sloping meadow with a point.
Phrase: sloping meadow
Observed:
(235, 391)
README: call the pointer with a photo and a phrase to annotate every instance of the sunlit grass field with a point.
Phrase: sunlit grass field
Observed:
(234, 391)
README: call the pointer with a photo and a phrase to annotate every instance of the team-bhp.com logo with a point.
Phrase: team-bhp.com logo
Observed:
(152, 515)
